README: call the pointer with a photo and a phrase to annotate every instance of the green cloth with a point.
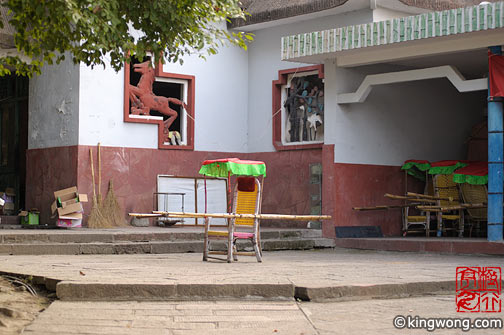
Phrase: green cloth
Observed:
(446, 169)
(419, 166)
(417, 174)
(473, 180)
(221, 169)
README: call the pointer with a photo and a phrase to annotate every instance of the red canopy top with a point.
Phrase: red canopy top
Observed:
(447, 163)
(233, 160)
(474, 169)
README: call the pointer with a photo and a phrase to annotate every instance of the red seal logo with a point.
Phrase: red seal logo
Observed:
(478, 289)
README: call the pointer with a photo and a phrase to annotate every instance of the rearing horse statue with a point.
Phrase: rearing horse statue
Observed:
(143, 100)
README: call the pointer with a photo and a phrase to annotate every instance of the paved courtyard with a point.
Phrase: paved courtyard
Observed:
(228, 317)
(352, 292)
(314, 268)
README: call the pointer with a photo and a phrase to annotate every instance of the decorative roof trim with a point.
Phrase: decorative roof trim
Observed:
(274, 14)
(441, 4)
(411, 28)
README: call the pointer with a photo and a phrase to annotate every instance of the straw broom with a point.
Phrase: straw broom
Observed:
(96, 218)
(111, 208)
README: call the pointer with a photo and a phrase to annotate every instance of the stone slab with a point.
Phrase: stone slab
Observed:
(178, 317)
(75, 291)
(66, 290)
(46, 249)
(229, 290)
(96, 248)
(176, 247)
(446, 245)
(353, 292)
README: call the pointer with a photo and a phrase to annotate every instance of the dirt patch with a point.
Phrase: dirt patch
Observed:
(19, 307)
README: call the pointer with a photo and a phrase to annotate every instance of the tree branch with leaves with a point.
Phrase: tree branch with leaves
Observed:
(107, 32)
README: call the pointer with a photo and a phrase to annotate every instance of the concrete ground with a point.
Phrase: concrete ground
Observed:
(350, 292)
(364, 317)
(314, 269)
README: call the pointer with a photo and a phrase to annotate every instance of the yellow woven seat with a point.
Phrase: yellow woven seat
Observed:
(416, 218)
(413, 220)
(475, 194)
(450, 217)
(218, 233)
(446, 188)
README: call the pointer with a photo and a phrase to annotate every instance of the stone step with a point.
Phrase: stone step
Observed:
(155, 247)
(111, 236)
(88, 291)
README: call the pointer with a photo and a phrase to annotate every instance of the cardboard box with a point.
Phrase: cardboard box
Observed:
(69, 202)
(76, 207)
(65, 192)
(71, 216)
(68, 205)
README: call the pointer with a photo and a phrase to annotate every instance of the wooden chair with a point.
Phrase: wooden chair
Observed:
(416, 223)
(475, 194)
(445, 187)
(246, 200)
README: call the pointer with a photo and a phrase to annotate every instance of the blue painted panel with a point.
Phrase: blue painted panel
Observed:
(495, 142)
(496, 50)
(495, 171)
(494, 210)
(494, 116)
(494, 233)
(495, 174)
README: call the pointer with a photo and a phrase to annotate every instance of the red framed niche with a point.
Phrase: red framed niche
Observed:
(158, 70)
(277, 106)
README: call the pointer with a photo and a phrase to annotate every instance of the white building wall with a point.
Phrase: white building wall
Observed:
(53, 107)
(426, 119)
(264, 64)
(101, 117)
(220, 105)
(220, 99)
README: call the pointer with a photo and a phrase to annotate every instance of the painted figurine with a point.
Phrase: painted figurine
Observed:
(143, 100)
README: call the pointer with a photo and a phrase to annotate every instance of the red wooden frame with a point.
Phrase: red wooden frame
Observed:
(277, 105)
(190, 107)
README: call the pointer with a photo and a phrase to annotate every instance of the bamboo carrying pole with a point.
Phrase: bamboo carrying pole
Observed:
(417, 195)
(99, 176)
(232, 215)
(400, 197)
(451, 208)
(381, 207)
(92, 173)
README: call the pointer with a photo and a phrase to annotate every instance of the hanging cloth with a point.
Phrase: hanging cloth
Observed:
(496, 73)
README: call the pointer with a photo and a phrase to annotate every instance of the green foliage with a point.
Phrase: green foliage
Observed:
(100, 32)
